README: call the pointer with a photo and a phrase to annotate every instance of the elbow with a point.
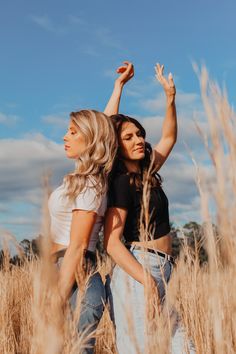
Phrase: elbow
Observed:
(110, 245)
(109, 249)
(175, 139)
(172, 140)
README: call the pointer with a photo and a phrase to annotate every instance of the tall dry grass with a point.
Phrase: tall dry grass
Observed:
(31, 317)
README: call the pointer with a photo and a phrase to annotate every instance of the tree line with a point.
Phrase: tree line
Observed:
(191, 235)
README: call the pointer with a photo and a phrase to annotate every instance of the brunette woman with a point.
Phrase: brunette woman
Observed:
(145, 255)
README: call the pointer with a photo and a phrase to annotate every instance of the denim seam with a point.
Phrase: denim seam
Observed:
(154, 256)
(92, 306)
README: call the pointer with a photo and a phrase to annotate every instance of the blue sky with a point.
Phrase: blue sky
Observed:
(59, 56)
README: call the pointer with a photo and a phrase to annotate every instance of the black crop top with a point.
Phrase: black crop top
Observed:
(123, 194)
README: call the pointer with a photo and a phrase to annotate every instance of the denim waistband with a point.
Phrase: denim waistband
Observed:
(151, 250)
(87, 254)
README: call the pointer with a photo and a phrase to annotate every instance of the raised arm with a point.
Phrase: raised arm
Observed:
(81, 228)
(126, 73)
(169, 127)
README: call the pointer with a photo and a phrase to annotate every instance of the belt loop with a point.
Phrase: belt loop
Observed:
(132, 248)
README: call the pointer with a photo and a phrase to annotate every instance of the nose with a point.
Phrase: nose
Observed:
(139, 140)
(65, 137)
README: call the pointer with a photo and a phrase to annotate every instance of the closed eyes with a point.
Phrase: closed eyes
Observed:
(129, 136)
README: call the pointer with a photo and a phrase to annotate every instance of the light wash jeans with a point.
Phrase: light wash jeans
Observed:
(127, 300)
(92, 306)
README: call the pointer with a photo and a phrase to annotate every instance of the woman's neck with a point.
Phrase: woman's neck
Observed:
(132, 166)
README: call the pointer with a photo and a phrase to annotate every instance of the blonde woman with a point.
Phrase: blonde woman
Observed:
(77, 209)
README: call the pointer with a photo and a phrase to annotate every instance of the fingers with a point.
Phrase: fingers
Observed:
(168, 84)
(127, 64)
(127, 67)
(126, 72)
(159, 69)
(171, 81)
(121, 69)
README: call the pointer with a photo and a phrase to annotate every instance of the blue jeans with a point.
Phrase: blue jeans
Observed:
(127, 300)
(92, 306)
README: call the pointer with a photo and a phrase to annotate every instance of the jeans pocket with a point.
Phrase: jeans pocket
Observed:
(161, 270)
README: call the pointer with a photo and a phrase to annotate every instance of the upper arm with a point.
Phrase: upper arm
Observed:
(81, 227)
(114, 224)
(161, 151)
(119, 202)
(84, 214)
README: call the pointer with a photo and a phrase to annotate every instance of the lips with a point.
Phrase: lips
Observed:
(140, 149)
(66, 147)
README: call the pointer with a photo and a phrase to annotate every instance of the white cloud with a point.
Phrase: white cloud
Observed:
(91, 51)
(3, 208)
(187, 132)
(155, 104)
(58, 120)
(181, 213)
(25, 162)
(133, 93)
(21, 220)
(77, 20)
(111, 73)
(47, 24)
(8, 119)
(183, 101)
(95, 34)
(105, 37)
(11, 105)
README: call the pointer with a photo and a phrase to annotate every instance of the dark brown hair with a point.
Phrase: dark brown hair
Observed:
(119, 165)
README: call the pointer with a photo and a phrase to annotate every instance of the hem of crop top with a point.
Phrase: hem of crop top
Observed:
(66, 246)
(155, 237)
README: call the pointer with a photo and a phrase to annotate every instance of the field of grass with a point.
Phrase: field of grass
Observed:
(32, 320)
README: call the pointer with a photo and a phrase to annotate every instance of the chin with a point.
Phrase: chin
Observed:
(69, 156)
(139, 156)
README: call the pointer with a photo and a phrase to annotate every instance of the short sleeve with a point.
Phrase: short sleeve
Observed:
(120, 192)
(87, 200)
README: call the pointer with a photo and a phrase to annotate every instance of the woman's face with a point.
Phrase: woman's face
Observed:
(74, 142)
(131, 142)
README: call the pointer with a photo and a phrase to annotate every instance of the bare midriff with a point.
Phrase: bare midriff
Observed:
(55, 247)
(163, 244)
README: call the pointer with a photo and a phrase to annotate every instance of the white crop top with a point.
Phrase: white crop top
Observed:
(60, 210)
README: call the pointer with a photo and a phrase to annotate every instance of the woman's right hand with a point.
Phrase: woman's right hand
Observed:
(126, 72)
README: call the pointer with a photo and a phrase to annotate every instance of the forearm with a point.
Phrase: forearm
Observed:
(72, 261)
(126, 261)
(113, 104)
(169, 128)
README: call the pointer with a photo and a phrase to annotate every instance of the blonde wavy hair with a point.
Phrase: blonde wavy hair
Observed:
(97, 159)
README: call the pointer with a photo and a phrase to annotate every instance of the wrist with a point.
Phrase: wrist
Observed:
(118, 85)
(170, 99)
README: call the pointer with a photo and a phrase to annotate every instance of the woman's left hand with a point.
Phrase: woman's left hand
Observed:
(167, 84)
